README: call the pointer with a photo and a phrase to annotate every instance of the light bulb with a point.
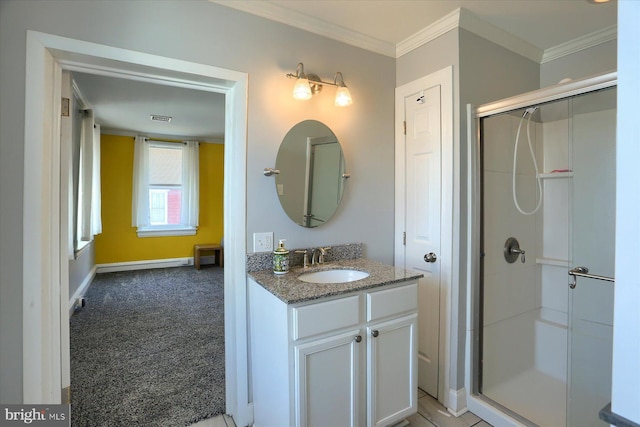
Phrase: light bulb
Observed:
(343, 97)
(302, 90)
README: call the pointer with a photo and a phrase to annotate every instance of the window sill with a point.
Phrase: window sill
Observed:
(82, 246)
(161, 232)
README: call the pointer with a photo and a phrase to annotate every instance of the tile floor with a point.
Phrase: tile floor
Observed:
(219, 421)
(430, 414)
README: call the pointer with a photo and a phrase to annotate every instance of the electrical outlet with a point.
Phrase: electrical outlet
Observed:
(263, 242)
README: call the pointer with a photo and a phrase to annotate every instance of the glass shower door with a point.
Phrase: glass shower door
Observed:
(592, 237)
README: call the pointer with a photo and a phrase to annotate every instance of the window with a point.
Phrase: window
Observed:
(165, 199)
(165, 184)
(158, 206)
(88, 220)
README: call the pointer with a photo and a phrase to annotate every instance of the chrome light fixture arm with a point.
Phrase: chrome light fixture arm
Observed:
(311, 84)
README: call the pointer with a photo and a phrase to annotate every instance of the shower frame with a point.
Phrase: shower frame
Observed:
(477, 403)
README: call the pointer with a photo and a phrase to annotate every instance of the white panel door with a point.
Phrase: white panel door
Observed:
(422, 210)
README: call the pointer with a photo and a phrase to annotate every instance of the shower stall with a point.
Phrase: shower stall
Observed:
(542, 219)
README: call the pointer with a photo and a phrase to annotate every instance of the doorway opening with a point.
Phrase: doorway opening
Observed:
(44, 274)
(152, 329)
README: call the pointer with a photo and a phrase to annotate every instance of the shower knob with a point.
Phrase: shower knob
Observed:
(430, 257)
(512, 251)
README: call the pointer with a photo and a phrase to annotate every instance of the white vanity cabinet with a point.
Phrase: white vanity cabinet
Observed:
(392, 322)
(347, 360)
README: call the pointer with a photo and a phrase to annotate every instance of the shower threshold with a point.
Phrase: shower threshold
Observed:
(529, 391)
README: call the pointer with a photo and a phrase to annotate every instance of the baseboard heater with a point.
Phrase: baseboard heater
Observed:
(143, 265)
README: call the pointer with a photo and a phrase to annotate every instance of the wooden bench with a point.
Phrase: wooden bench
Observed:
(218, 252)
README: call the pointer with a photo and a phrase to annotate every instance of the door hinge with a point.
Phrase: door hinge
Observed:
(404, 124)
(404, 238)
(64, 109)
(66, 395)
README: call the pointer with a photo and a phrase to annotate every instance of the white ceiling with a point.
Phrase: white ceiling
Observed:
(383, 26)
(125, 106)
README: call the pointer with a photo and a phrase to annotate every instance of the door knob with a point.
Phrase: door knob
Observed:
(430, 257)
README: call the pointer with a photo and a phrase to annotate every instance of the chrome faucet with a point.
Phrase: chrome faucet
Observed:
(321, 253)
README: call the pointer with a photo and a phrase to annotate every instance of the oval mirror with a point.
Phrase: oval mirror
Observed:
(312, 173)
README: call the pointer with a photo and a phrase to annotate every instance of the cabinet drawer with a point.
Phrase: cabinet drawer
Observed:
(390, 302)
(322, 317)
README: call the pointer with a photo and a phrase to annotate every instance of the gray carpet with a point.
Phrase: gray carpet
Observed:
(148, 349)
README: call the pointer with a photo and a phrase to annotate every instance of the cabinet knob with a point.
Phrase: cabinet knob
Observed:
(358, 338)
(375, 333)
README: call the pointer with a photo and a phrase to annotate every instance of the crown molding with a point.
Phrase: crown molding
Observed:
(313, 25)
(427, 34)
(462, 18)
(576, 45)
(459, 18)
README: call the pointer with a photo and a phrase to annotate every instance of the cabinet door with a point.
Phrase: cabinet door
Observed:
(391, 370)
(327, 381)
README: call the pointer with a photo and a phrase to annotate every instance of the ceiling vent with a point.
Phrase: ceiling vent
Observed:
(157, 118)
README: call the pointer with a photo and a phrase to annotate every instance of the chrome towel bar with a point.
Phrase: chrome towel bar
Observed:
(584, 272)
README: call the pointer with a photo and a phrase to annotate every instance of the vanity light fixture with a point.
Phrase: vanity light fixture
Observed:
(310, 84)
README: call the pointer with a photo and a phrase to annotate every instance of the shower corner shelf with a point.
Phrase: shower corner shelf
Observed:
(553, 261)
(553, 175)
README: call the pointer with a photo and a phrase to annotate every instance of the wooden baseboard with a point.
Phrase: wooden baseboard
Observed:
(457, 402)
(82, 290)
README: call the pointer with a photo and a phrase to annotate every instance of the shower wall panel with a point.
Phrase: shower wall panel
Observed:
(510, 289)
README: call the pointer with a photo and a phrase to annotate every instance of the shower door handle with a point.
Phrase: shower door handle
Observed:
(430, 257)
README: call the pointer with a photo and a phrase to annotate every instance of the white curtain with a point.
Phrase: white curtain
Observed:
(140, 199)
(89, 196)
(191, 183)
(96, 194)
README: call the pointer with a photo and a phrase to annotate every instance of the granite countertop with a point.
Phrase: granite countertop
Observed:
(290, 290)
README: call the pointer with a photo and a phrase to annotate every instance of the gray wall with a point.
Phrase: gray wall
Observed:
(595, 60)
(433, 56)
(207, 33)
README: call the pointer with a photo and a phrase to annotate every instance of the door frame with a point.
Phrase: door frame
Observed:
(449, 210)
(43, 306)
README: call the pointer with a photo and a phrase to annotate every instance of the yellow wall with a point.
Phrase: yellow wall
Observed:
(119, 241)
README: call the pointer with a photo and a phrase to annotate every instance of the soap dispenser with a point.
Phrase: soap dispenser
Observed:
(281, 258)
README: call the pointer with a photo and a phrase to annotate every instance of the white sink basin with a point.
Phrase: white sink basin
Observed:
(333, 276)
